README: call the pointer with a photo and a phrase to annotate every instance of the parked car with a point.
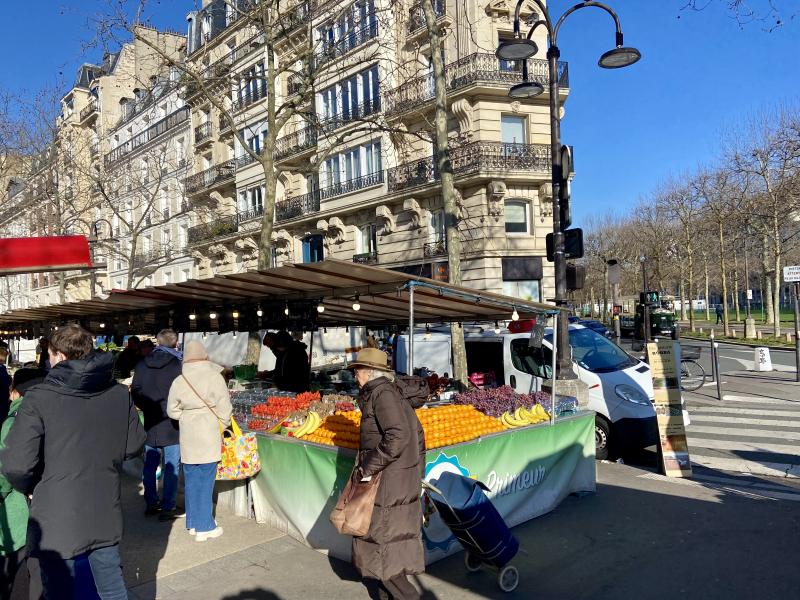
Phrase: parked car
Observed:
(620, 386)
(597, 326)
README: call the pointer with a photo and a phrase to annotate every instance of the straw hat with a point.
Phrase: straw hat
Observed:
(371, 358)
(195, 352)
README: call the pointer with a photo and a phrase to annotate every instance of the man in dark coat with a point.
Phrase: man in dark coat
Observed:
(128, 358)
(292, 370)
(152, 378)
(392, 444)
(66, 447)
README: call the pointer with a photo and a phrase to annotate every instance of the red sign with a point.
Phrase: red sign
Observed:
(33, 255)
(522, 326)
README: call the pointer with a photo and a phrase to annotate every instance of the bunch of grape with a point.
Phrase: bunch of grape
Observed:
(495, 401)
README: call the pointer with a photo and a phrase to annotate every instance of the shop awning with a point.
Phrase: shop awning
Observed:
(37, 254)
(382, 294)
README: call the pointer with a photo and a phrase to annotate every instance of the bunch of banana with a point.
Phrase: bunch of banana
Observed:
(312, 423)
(522, 417)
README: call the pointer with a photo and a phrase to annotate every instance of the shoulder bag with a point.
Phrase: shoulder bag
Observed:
(352, 514)
(240, 458)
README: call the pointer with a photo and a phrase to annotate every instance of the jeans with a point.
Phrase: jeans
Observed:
(172, 464)
(199, 492)
(58, 575)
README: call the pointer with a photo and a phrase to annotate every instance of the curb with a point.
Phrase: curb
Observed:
(734, 343)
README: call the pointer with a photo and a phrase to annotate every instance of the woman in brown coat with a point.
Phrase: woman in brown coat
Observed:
(393, 444)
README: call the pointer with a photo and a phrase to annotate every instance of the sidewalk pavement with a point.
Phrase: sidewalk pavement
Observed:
(641, 535)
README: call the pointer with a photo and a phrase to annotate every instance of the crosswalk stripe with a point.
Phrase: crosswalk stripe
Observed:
(741, 445)
(749, 421)
(759, 400)
(739, 465)
(789, 414)
(740, 481)
(745, 433)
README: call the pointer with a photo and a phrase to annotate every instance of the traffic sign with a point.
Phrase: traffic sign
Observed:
(791, 274)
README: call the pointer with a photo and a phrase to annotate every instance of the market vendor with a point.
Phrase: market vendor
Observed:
(292, 369)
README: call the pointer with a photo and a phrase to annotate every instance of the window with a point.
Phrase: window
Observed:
(512, 129)
(525, 290)
(183, 236)
(251, 200)
(516, 216)
(367, 240)
(372, 158)
(313, 249)
(185, 274)
(436, 231)
(167, 277)
(331, 175)
(352, 164)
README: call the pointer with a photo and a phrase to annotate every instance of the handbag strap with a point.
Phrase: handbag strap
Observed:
(196, 393)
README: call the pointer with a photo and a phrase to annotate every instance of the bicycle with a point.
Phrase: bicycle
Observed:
(693, 375)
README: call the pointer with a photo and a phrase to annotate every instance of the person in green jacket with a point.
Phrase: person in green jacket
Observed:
(13, 504)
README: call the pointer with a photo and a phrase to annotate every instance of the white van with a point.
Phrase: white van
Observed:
(620, 386)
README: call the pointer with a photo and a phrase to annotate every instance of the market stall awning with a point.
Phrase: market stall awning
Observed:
(37, 254)
(382, 296)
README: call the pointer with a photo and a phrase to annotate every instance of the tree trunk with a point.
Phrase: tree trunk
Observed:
(723, 278)
(604, 313)
(769, 310)
(268, 164)
(776, 254)
(690, 266)
(591, 302)
(445, 170)
(708, 303)
(683, 298)
(736, 286)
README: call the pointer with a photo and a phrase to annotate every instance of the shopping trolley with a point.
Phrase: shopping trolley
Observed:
(476, 524)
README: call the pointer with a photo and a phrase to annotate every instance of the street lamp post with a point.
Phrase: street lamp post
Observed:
(523, 48)
(645, 306)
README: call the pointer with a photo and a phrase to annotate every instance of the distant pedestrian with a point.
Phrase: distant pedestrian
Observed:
(292, 370)
(199, 400)
(152, 379)
(720, 313)
(44, 357)
(13, 504)
(128, 358)
(146, 347)
(67, 445)
(393, 444)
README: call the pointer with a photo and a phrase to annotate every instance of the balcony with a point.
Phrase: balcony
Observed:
(295, 143)
(245, 160)
(435, 249)
(366, 258)
(251, 97)
(251, 214)
(294, 84)
(473, 159)
(362, 111)
(148, 257)
(202, 133)
(90, 109)
(95, 148)
(416, 19)
(211, 177)
(214, 229)
(352, 40)
(154, 131)
(475, 69)
(352, 185)
(297, 206)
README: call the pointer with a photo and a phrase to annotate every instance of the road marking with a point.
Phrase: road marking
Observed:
(726, 484)
(746, 411)
(716, 419)
(740, 481)
(759, 400)
(741, 445)
(744, 433)
(739, 465)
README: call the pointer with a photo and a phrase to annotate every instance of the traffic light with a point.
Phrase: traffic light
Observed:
(649, 298)
(564, 191)
(576, 277)
(573, 244)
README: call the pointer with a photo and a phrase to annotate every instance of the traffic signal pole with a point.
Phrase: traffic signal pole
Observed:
(645, 305)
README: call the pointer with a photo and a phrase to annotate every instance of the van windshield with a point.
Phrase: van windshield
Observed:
(595, 353)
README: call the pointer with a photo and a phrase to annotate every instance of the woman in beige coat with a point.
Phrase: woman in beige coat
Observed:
(199, 400)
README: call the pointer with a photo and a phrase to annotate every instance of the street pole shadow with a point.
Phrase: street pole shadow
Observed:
(254, 594)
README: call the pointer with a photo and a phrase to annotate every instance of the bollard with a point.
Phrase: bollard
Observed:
(699, 330)
(733, 332)
(759, 335)
(762, 360)
(789, 337)
(713, 362)
(719, 375)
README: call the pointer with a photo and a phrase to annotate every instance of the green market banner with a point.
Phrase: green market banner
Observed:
(529, 471)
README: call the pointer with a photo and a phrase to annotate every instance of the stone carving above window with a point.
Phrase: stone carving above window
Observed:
(282, 241)
(385, 219)
(505, 9)
(545, 201)
(419, 216)
(248, 248)
(462, 109)
(495, 194)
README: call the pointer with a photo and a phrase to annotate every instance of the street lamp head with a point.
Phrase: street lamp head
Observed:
(619, 57)
(517, 48)
(526, 89)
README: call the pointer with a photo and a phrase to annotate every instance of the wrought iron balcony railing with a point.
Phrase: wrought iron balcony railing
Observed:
(366, 258)
(245, 160)
(369, 107)
(214, 229)
(297, 206)
(251, 96)
(473, 69)
(295, 142)
(416, 18)
(250, 214)
(202, 132)
(89, 109)
(348, 42)
(211, 177)
(351, 185)
(149, 257)
(293, 84)
(434, 249)
(471, 159)
(157, 129)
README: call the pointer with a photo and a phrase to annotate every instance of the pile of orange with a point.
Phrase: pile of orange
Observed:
(443, 426)
(453, 424)
(339, 429)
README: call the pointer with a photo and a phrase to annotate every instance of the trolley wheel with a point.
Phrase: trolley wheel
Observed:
(508, 578)
(472, 563)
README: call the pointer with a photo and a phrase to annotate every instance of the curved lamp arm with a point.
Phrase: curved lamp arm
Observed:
(586, 4)
(544, 20)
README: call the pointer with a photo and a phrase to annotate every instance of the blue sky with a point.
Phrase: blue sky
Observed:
(700, 73)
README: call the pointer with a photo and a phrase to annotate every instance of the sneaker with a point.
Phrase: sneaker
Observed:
(192, 531)
(171, 514)
(202, 536)
(152, 511)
